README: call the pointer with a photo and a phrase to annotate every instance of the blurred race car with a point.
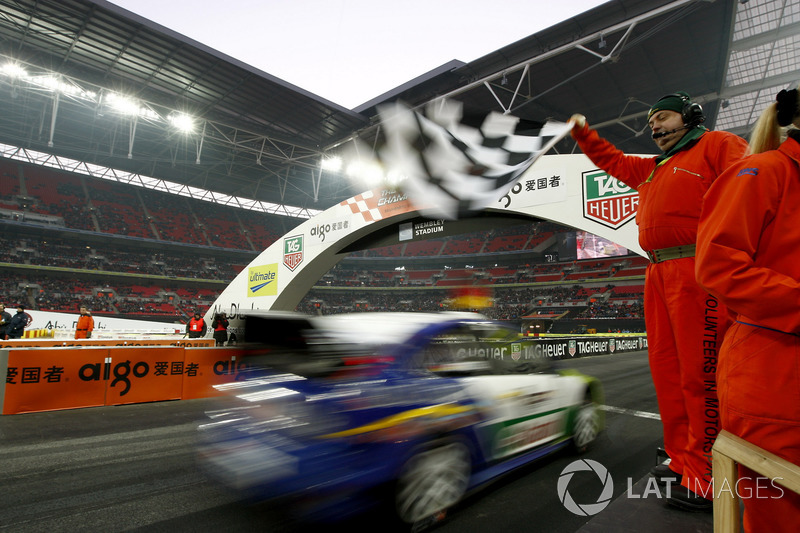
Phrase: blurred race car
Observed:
(408, 410)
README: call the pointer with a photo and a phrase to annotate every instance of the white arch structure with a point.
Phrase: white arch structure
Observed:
(566, 189)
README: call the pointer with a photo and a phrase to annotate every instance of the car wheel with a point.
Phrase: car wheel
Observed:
(431, 481)
(587, 424)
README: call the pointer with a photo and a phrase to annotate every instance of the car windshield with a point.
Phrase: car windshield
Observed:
(478, 349)
(323, 360)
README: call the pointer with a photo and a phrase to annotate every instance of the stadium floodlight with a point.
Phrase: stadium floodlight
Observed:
(332, 163)
(56, 83)
(182, 122)
(368, 172)
(121, 104)
(129, 106)
(14, 71)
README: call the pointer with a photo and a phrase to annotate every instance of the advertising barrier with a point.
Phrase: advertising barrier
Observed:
(45, 379)
(77, 343)
(568, 348)
(48, 379)
(206, 367)
(146, 374)
(54, 378)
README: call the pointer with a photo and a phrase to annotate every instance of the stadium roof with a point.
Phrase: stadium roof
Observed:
(96, 84)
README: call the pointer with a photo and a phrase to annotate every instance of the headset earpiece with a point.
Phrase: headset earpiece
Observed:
(692, 113)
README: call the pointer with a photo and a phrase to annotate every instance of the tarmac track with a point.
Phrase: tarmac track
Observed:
(131, 468)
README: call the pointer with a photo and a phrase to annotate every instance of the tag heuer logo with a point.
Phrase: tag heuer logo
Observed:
(293, 251)
(607, 200)
(572, 346)
(516, 351)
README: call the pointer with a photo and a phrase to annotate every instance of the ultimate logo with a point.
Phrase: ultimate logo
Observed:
(262, 280)
(607, 200)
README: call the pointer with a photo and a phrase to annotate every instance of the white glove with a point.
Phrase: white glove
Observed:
(577, 120)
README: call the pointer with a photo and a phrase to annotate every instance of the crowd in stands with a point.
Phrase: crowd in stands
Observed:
(508, 303)
(92, 204)
(481, 242)
(45, 292)
(55, 252)
(168, 223)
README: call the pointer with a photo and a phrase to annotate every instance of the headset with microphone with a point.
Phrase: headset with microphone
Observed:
(670, 132)
(691, 113)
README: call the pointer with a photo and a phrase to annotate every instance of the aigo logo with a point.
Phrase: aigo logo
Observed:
(124, 371)
(321, 230)
(586, 509)
(121, 371)
(230, 368)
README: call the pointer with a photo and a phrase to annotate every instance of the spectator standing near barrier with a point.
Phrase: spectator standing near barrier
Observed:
(16, 327)
(685, 324)
(196, 327)
(5, 319)
(85, 325)
(746, 250)
(220, 327)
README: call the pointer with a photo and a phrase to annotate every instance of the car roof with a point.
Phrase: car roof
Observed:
(293, 330)
(386, 327)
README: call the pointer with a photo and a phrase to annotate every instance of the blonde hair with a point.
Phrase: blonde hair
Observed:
(767, 133)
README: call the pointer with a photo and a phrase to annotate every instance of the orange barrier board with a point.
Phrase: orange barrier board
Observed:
(41, 379)
(147, 374)
(48, 379)
(209, 367)
(74, 343)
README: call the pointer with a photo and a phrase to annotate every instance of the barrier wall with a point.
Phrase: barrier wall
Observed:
(47, 379)
(565, 347)
(76, 343)
(56, 377)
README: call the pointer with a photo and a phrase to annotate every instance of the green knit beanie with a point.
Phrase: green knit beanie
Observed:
(671, 102)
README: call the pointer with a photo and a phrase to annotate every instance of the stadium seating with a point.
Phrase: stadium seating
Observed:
(173, 280)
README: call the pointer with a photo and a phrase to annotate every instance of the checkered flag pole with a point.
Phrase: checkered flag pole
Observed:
(453, 164)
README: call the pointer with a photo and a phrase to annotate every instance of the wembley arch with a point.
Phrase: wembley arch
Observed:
(566, 189)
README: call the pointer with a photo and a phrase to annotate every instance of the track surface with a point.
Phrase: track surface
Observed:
(131, 468)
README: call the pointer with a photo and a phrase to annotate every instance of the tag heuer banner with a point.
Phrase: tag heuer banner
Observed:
(293, 251)
(607, 200)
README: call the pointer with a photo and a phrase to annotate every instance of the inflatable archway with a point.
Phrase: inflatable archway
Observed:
(566, 189)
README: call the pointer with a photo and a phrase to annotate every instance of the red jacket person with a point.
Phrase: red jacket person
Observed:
(196, 327)
(685, 324)
(746, 256)
(220, 327)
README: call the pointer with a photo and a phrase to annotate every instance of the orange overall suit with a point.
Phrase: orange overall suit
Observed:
(685, 325)
(85, 327)
(746, 255)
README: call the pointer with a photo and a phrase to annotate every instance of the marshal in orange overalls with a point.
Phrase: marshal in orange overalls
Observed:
(85, 327)
(747, 255)
(685, 324)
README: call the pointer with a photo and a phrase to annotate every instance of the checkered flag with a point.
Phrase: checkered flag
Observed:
(454, 164)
